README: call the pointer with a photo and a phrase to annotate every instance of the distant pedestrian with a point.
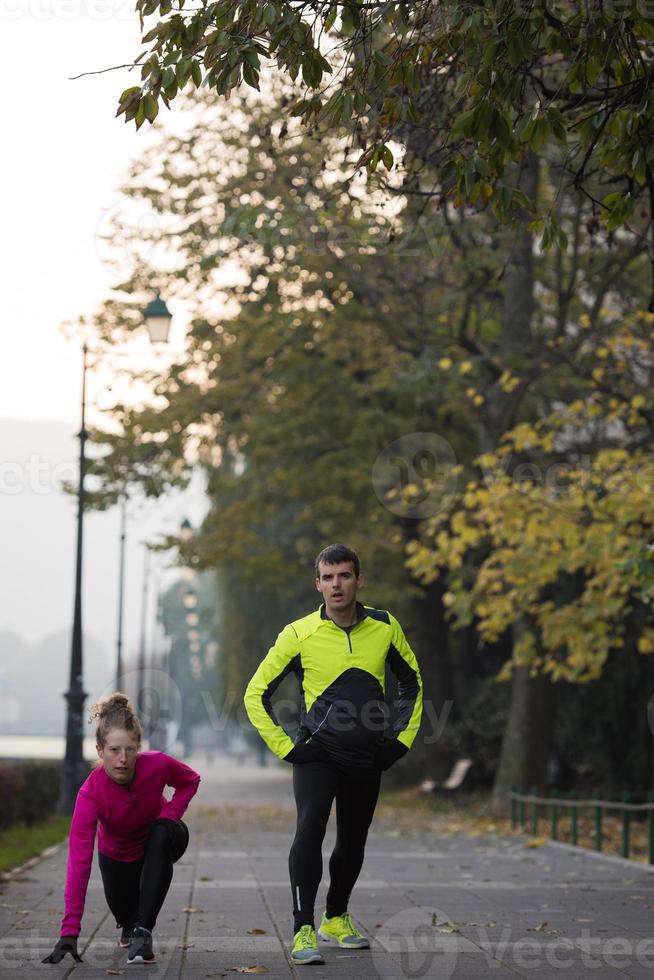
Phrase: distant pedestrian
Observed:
(339, 654)
(140, 834)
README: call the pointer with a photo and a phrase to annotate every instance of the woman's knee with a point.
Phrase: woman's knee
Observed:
(161, 834)
(169, 836)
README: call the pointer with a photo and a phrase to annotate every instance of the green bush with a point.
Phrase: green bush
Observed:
(28, 791)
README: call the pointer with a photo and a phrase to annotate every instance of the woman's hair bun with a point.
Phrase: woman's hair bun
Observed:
(115, 711)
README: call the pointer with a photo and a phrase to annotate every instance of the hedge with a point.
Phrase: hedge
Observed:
(28, 791)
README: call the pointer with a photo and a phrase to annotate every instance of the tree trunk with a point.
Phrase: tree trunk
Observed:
(527, 738)
(430, 642)
(526, 743)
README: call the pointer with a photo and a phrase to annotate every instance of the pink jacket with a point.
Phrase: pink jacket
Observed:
(122, 816)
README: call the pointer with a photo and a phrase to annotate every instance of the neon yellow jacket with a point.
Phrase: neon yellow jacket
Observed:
(341, 672)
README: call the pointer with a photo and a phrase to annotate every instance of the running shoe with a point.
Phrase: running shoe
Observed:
(342, 930)
(140, 947)
(305, 946)
(125, 937)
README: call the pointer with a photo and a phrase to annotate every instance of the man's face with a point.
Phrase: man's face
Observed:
(338, 585)
(118, 754)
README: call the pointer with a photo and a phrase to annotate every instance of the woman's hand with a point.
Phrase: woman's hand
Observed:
(65, 944)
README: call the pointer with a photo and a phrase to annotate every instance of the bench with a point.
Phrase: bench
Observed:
(453, 782)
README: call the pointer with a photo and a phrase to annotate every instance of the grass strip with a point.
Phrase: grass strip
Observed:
(20, 842)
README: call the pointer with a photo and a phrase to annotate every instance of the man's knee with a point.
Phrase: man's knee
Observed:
(311, 828)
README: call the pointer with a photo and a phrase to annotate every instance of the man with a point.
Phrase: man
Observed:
(339, 654)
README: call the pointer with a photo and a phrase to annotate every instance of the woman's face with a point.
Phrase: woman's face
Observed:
(118, 754)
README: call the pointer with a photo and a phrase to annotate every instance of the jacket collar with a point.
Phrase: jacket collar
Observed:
(361, 615)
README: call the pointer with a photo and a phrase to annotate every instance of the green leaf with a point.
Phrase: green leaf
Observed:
(251, 76)
(151, 107)
(328, 22)
(463, 123)
(387, 157)
(449, 172)
(183, 72)
(128, 93)
(139, 116)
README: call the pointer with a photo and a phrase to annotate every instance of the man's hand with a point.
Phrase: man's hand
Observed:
(66, 944)
(388, 753)
(304, 752)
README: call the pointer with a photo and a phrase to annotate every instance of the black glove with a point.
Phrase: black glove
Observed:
(305, 752)
(388, 753)
(66, 944)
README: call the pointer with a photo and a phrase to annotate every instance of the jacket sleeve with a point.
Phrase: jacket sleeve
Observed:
(402, 661)
(81, 842)
(281, 659)
(185, 782)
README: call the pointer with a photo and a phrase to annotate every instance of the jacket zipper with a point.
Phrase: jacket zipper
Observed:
(323, 721)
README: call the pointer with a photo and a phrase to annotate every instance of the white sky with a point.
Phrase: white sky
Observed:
(63, 158)
(64, 155)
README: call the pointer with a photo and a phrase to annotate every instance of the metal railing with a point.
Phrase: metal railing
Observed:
(557, 806)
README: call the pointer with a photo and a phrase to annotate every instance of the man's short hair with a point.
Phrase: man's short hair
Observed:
(333, 554)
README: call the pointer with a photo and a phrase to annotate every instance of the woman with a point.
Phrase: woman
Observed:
(140, 833)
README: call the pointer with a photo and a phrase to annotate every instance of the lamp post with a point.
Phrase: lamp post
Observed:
(157, 318)
(72, 774)
(140, 695)
(121, 590)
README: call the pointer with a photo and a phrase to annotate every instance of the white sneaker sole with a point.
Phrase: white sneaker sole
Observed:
(359, 944)
(316, 958)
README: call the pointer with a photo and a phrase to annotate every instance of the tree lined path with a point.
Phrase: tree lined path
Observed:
(434, 906)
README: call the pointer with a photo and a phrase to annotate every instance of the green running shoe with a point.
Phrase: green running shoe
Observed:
(342, 930)
(305, 946)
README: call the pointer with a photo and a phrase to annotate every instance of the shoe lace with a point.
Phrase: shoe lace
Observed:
(349, 925)
(306, 937)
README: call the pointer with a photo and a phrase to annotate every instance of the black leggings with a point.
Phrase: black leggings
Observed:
(316, 785)
(135, 890)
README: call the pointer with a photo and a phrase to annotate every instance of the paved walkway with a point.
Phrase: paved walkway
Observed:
(434, 907)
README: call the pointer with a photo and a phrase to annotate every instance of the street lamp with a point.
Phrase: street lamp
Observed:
(157, 318)
(190, 599)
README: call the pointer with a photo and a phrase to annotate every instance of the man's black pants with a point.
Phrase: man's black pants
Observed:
(316, 785)
(135, 890)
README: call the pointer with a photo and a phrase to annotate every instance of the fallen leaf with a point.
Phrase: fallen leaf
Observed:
(185, 945)
(536, 842)
(190, 908)
(257, 932)
(258, 968)
(114, 973)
